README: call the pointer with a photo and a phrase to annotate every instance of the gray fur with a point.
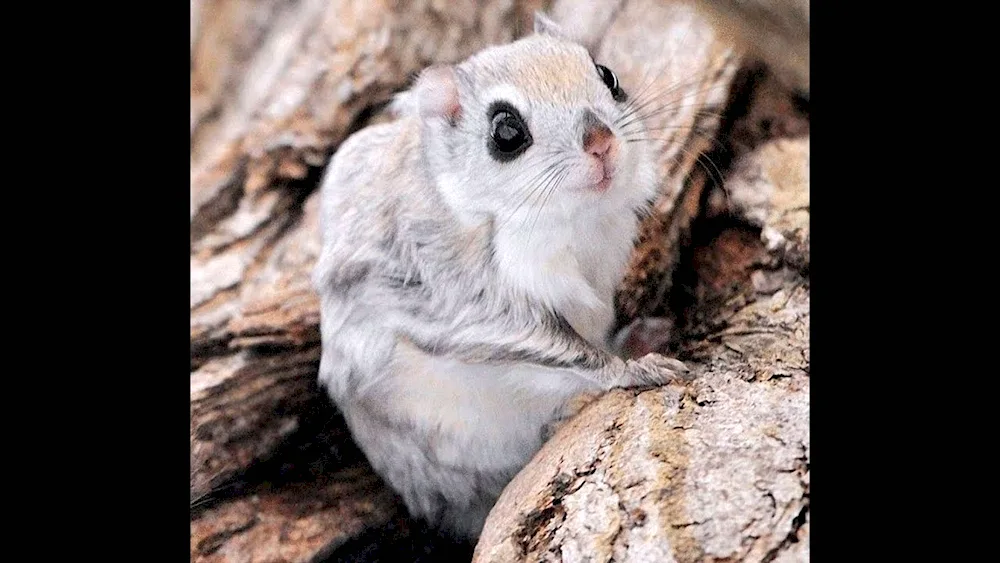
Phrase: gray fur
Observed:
(445, 346)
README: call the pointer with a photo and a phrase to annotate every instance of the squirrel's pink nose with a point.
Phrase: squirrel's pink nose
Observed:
(597, 140)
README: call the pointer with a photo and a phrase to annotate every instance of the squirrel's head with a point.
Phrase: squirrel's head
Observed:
(533, 129)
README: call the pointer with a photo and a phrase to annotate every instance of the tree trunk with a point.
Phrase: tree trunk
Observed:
(276, 86)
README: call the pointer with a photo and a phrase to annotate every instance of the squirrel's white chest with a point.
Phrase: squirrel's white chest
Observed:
(571, 266)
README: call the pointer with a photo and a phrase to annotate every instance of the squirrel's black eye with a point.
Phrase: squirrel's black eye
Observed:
(611, 81)
(509, 135)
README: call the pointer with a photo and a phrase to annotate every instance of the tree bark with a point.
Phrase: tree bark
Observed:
(276, 86)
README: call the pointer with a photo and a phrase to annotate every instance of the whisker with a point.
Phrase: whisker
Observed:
(697, 126)
(668, 93)
(673, 105)
(717, 177)
(664, 93)
(553, 185)
(535, 185)
(635, 106)
(697, 132)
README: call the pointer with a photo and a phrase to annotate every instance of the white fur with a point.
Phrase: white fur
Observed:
(415, 370)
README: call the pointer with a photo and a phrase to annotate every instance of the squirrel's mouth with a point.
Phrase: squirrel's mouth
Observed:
(605, 174)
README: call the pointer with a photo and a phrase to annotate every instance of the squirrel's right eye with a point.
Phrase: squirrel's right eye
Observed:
(509, 135)
(611, 81)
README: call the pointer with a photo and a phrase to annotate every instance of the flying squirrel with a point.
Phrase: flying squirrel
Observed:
(470, 254)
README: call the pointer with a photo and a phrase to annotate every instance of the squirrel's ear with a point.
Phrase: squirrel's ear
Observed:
(436, 92)
(545, 26)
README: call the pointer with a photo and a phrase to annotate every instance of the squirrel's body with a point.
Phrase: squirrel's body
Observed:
(471, 250)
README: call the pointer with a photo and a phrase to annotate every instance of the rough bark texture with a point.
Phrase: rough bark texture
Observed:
(777, 31)
(302, 518)
(277, 85)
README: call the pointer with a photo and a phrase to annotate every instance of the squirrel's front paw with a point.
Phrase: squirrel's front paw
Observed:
(652, 370)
